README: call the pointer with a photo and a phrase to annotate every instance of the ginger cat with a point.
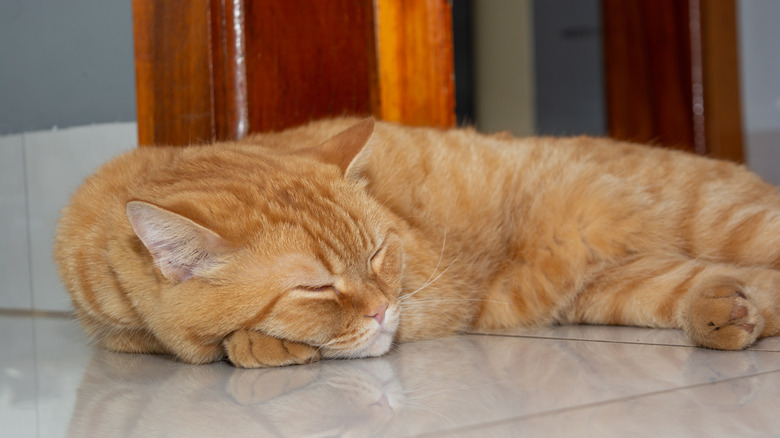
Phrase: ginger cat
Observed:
(338, 238)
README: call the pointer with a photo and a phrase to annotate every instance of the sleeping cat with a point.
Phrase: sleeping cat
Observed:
(341, 237)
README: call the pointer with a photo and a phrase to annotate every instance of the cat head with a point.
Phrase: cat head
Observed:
(306, 256)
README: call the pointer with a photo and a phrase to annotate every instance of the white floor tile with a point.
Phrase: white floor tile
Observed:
(18, 386)
(62, 354)
(743, 407)
(41, 368)
(462, 385)
(633, 335)
(481, 380)
(15, 289)
(52, 383)
(57, 162)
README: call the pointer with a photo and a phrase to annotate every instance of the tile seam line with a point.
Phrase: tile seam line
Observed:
(26, 177)
(553, 338)
(605, 341)
(507, 421)
(28, 233)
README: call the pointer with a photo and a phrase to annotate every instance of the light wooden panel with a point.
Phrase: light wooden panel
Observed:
(416, 77)
(720, 64)
(173, 83)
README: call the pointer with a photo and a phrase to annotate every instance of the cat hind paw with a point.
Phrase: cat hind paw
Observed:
(721, 315)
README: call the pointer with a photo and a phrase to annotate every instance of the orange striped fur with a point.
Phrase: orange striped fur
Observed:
(338, 238)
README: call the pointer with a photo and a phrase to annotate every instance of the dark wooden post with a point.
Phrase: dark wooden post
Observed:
(671, 72)
(218, 69)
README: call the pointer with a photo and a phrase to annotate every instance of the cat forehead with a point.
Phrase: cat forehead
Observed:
(278, 272)
(321, 247)
(296, 269)
(340, 218)
(334, 248)
(305, 185)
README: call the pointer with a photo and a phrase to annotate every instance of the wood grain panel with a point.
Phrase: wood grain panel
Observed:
(647, 71)
(416, 61)
(671, 71)
(173, 84)
(218, 69)
(309, 59)
(230, 105)
(720, 63)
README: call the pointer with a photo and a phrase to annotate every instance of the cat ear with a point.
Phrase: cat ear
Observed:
(347, 149)
(180, 247)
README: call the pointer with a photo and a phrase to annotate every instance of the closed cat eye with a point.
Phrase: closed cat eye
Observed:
(376, 260)
(318, 289)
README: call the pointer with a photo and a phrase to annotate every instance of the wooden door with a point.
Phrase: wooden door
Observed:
(211, 70)
(671, 73)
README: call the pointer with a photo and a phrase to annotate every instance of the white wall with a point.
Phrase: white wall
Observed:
(38, 172)
(62, 63)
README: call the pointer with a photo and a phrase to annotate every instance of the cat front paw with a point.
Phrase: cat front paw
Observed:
(253, 349)
(720, 315)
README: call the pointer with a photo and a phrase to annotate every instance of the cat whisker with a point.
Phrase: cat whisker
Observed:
(427, 283)
(389, 198)
(417, 393)
(327, 344)
(319, 349)
(344, 347)
(422, 407)
(453, 300)
(404, 218)
(390, 180)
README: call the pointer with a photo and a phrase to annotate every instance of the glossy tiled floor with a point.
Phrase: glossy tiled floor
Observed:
(562, 381)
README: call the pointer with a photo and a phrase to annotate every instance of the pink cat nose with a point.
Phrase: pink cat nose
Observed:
(379, 313)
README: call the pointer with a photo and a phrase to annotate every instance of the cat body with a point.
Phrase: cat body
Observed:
(275, 250)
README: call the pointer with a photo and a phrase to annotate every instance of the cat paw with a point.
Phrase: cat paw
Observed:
(720, 315)
(253, 349)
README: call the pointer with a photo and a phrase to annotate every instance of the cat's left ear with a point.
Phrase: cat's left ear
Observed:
(180, 247)
(347, 149)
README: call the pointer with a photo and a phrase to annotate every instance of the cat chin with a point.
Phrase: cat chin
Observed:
(379, 344)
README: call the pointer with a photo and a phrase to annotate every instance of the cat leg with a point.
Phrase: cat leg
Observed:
(253, 349)
(745, 230)
(124, 339)
(718, 305)
(131, 341)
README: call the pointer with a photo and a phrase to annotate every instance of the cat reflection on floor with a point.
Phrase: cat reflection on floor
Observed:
(422, 387)
(144, 396)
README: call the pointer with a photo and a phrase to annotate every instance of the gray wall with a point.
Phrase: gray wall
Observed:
(759, 46)
(568, 62)
(539, 67)
(504, 66)
(65, 63)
